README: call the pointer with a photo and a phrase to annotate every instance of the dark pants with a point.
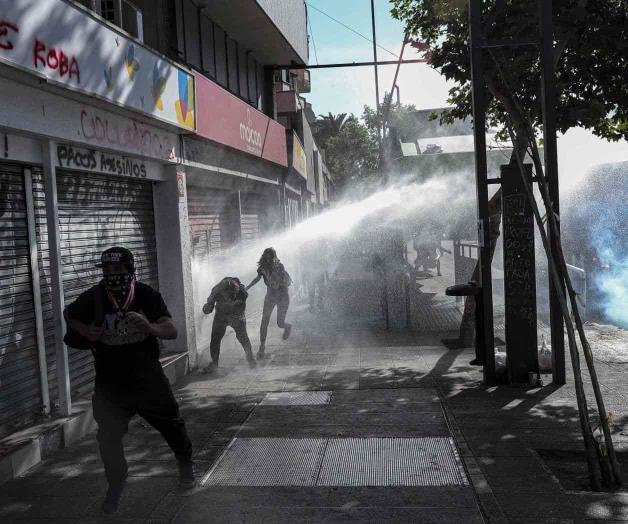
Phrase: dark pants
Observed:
(115, 405)
(281, 299)
(219, 328)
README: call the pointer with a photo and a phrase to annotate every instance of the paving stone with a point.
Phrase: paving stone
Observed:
(348, 513)
(67, 507)
(384, 385)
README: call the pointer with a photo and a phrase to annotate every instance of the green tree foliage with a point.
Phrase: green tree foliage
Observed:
(328, 125)
(592, 59)
(351, 152)
(399, 116)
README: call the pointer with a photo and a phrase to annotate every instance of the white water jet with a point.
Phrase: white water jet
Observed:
(404, 206)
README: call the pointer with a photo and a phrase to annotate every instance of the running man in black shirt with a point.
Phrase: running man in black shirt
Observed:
(129, 376)
(229, 299)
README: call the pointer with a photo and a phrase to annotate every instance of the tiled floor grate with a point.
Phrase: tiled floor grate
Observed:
(429, 461)
(268, 462)
(297, 398)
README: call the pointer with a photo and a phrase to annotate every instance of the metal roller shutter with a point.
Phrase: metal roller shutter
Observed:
(97, 212)
(20, 402)
(213, 215)
(292, 212)
(39, 199)
(253, 216)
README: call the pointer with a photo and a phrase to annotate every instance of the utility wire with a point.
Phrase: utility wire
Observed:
(349, 28)
(309, 21)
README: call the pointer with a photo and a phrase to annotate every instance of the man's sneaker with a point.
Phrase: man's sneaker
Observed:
(211, 368)
(260, 354)
(286, 332)
(112, 498)
(186, 474)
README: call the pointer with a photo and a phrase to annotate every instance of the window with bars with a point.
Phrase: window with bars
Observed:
(209, 49)
(122, 13)
(108, 10)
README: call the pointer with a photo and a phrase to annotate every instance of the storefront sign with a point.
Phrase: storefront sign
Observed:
(224, 118)
(299, 158)
(67, 46)
(91, 160)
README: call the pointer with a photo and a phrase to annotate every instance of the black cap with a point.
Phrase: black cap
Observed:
(117, 255)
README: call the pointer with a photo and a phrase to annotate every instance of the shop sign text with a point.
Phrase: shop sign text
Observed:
(70, 157)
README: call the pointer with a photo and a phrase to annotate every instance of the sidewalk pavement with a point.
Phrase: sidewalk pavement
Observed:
(343, 424)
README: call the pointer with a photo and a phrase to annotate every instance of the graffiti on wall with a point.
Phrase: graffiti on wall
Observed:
(41, 36)
(107, 130)
(71, 157)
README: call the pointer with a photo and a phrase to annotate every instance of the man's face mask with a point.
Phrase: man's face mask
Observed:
(118, 284)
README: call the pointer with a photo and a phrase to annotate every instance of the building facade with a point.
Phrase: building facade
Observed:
(151, 124)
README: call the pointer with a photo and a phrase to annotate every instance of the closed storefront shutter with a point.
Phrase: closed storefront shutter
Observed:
(39, 198)
(20, 398)
(254, 221)
(95, 213)
(292, 212)
(213, 216)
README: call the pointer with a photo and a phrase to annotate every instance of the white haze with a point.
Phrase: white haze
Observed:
(405, 205)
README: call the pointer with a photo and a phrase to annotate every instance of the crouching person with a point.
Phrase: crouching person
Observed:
(121, 319)
(229, 298)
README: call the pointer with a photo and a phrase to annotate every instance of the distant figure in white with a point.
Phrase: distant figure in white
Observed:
(427, 244)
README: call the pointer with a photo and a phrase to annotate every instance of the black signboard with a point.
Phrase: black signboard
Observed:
(519, 276)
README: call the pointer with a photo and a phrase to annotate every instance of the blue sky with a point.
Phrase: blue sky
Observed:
(348, 90)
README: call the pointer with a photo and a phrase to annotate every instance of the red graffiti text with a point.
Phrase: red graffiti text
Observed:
(56, 60)
(5, 27)
(128, 135)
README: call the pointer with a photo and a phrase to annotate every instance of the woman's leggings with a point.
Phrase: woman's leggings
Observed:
(281, 299)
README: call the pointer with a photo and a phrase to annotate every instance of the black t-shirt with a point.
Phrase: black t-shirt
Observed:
(124, 354)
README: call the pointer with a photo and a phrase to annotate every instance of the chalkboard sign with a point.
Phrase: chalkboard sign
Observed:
(519, 275)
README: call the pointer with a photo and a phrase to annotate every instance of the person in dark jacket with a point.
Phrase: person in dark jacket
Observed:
(277, 281)
(129, 377)
(229, 298)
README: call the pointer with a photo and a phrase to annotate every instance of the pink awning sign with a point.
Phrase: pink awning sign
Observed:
(224, 118)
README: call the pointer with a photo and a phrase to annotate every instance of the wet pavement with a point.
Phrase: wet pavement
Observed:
(349, 423)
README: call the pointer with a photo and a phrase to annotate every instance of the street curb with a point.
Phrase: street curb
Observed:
(487, 502)
(30, 446)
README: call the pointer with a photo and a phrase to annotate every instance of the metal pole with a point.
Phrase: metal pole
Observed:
(486, 336)
(348, 64)
(39, 314)
(394, 85)
(56, 276)
(379, 129)
(548, 98)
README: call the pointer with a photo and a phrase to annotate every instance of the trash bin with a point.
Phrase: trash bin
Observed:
(471, 289)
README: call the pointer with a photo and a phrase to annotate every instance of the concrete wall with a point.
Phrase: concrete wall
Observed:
(290, 17)
(174, 258)
(308, 145)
